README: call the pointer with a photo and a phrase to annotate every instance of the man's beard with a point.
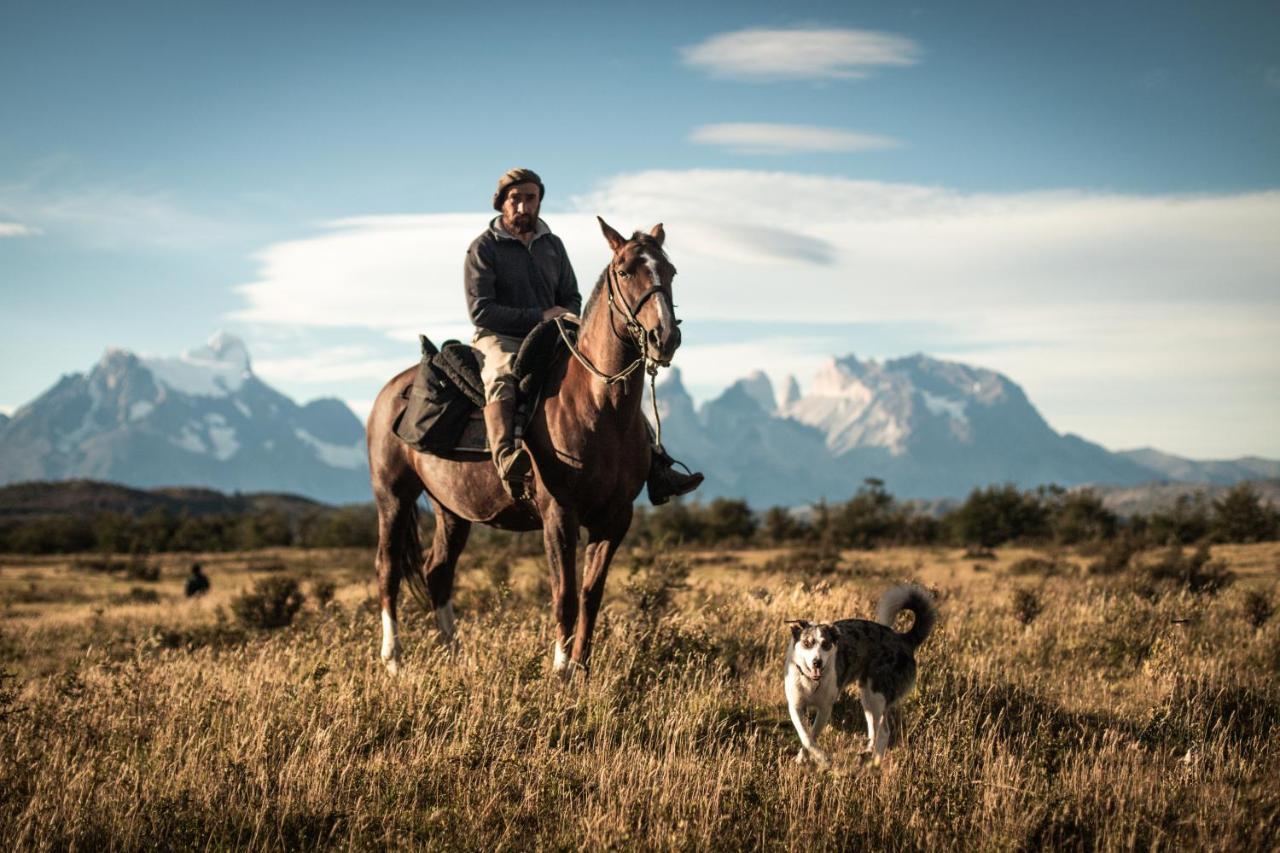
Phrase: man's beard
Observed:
(522, 223)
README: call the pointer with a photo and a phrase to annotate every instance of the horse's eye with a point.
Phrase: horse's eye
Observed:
(808, 644)
(826, 645)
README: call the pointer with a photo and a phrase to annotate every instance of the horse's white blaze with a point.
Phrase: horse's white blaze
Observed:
(445, 622)
(665, 318)
(390, 642)
(562, 657)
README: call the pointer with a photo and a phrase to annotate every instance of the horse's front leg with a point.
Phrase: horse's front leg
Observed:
(602, 544)
(560, 534)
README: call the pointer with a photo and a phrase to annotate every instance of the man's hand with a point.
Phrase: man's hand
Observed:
(553, 312)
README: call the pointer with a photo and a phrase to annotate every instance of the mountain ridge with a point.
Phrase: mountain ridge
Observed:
(929, 428)
(202, 419)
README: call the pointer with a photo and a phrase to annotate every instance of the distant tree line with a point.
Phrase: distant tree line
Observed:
(872, 518)
(158, 530)
(988, 517)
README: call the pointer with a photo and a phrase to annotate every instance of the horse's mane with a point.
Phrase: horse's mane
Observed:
(647, 242)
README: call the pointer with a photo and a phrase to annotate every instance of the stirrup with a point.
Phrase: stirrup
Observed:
(665, 482)
(519, 464)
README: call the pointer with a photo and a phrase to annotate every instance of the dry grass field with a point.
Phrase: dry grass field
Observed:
(1055, 707)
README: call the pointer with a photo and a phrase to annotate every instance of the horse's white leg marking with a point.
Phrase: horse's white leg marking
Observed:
(561, 659)
(445, 623)
(390, 643)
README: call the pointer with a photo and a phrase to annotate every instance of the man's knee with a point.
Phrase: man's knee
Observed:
(502, 387)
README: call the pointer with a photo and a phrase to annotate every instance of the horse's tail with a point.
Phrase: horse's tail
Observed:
(411, 567)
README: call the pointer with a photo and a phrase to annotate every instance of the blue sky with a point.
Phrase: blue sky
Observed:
(1084, 197)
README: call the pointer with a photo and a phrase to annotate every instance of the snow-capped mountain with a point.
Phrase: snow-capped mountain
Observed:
(928, 428)
(201, 418)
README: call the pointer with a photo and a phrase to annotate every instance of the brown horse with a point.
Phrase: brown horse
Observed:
(590, 449)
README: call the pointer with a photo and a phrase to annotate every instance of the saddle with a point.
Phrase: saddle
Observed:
(443, 412)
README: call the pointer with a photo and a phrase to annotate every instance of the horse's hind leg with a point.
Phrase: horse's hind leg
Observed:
(397, 537)
(447, 544)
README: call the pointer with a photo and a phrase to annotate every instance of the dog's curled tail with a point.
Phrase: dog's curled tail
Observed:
(915, 599)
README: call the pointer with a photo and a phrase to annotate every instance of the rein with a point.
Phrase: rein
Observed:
(638, 334)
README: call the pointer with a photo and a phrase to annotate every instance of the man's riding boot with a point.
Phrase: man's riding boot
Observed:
(665, 482)
(512, 460)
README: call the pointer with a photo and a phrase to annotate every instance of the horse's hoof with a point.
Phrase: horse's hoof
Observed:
(393, 666)
(572, 672)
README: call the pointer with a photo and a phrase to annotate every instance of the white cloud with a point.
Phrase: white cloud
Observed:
(760, 138)
(795, 54)
(109, 217)
(17, 229)
(1077, 296)
(332, 364)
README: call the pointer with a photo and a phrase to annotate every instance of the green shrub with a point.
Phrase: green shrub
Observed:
(322, 590)
(272, 603)
(1241, 516)
(1026, 605)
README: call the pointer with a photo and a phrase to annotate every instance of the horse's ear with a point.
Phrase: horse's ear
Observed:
(616, 240)
(658, 234)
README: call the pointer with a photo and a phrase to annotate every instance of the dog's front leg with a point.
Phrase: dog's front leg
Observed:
(820, 720)
(808, 744)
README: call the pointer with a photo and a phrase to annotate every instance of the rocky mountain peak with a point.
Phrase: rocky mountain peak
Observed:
(201, 418)
(790, 393)
(758, 387)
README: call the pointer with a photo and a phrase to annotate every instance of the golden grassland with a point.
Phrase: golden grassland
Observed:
(1054, 707)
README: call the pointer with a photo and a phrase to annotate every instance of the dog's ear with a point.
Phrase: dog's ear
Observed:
(797, 625)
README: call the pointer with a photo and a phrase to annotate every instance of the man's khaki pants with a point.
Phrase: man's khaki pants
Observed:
(497, 355)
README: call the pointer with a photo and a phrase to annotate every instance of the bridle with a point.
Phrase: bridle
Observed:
(638, 336)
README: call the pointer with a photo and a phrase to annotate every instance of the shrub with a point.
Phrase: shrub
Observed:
(1116, 556)
(1026, 605)
(778, 525)
(1241, 516)
(136, 595)
(1185, 522)
(1080, 516)
(998, 514)
(322, 590)
(1257, 608)
(1198, 573)
(728, 521)
(272, 603)
(808, 560)
(139, 569)
(1035, 566)
(868, 518)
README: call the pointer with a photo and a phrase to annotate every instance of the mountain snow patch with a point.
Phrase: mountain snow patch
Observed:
(188, 439)
(140, 410)
(335, 455)
(953, 409)
(222, 436)
(217, 369)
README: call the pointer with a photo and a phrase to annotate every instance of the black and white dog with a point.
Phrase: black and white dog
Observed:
(822, 659)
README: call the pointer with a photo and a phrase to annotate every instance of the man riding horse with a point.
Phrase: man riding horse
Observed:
(517, 275)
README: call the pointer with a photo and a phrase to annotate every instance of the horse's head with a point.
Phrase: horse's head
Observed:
(639, 280)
